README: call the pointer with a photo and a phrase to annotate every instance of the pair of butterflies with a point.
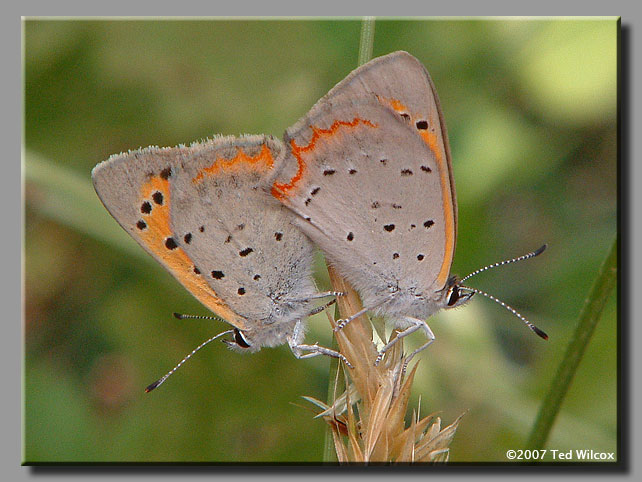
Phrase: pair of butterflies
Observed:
(366, 176)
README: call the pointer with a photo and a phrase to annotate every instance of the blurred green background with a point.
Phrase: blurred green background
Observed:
(530, 108)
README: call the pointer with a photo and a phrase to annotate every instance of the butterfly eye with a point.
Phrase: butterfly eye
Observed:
(240, 339)
(453, 295)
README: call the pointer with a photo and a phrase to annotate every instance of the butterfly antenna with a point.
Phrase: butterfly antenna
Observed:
(182, 316)
(532, 254)
(537, 331)
(161, 380)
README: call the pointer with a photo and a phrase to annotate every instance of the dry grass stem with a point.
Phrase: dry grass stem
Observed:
(368, 420)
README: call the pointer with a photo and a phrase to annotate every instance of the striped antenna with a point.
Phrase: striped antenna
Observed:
(160, 381)
(508, 261)
(182, 316)
(537, 331)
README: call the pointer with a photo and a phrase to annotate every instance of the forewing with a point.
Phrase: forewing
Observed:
(403, 83)
(246, 247)
(366, 188)
(154, 194)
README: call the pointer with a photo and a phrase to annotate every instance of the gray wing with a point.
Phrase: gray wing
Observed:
(400, 81)
(246, 246)
(366, 188)
(171, 201)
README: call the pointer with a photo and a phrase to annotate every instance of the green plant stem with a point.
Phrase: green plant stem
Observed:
(329, 452)
(366, 41)
(588, 320)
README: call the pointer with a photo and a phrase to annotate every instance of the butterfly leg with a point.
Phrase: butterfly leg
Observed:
(415, 324)
(343, 322)
(327, 293)
(323, 294)
(319, 309)
(299, 348)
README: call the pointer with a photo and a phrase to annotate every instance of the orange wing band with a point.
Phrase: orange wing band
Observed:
(282, 190)
(159, 238)
(263, 161)
(432, 141)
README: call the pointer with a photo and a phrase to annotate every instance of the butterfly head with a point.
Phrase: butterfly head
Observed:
(454, 294)
(240, 342)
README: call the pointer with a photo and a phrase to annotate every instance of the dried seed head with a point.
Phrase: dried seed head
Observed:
(368, 420)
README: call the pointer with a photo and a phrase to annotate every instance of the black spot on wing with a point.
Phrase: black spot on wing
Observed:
(166, 173)
(158, 197)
